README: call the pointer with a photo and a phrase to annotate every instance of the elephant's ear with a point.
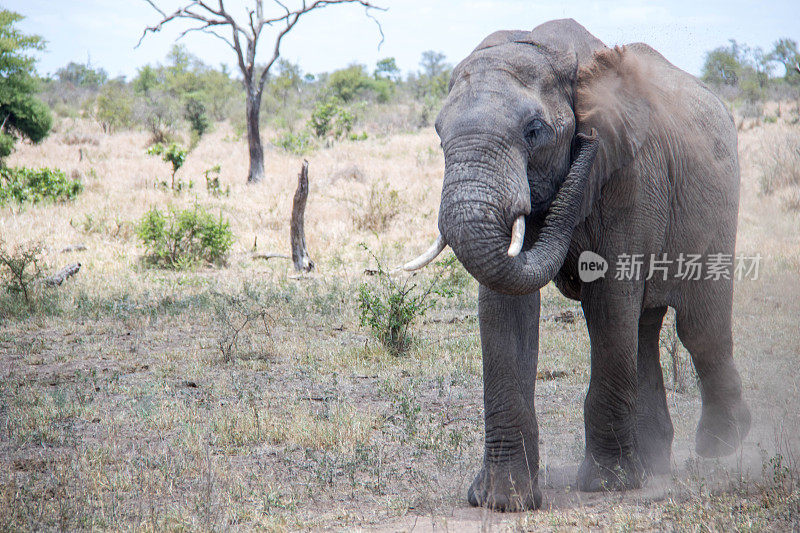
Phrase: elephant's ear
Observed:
(615, 95)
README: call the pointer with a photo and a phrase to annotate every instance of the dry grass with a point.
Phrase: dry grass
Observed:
(779, 164)
(120, 410)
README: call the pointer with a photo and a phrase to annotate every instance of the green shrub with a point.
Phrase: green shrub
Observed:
(37, 185)
(454, 276)
(181, 239)
(349, 82)
(389, 307)
(114, 108)
(6, 144)
(160, 113)
(195, 113)
(329, 117)
(174, 154)
(23, 114)
(296, 143)
(212, 182)
(358, 137)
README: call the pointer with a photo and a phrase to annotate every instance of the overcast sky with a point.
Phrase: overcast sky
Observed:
(107, 30)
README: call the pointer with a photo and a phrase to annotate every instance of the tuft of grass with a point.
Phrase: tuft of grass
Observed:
(779, 165)
(790, 199)
(379, 209)
(335, 427)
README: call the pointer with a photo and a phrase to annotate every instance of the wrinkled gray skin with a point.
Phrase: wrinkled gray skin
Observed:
(659, 176)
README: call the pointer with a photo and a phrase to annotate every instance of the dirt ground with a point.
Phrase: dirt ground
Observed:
(121, 408)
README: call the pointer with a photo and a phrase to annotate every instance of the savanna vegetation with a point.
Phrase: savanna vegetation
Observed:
(187, 378)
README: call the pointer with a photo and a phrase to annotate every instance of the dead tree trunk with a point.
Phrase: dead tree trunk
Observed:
(302, 262)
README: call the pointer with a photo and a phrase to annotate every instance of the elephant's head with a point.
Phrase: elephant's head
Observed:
(513, 156)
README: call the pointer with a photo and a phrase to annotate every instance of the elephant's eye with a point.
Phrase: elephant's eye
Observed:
(536, 131)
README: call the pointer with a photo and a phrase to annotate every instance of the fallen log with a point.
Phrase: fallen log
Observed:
(59, 277)
(269, 256)
(74, 248)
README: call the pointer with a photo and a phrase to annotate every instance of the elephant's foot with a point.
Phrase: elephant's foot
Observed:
(655, 454)
(654, 445)
(506, 488)
(620, 474)
(721, 430)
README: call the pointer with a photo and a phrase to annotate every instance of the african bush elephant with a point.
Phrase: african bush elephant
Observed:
(554, 145)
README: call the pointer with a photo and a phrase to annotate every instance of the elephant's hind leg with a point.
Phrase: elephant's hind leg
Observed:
(653, 424)
(509, 328)
(704, 327)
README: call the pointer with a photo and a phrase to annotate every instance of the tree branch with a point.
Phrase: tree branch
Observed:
(291, 18)
(236, 44)
(210, 17)
(180, 13)
(211, 32)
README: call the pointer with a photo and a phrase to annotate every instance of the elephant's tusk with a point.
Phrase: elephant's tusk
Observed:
(517, 237)
(429, 255)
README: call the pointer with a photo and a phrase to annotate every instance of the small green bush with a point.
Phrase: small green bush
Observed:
(175, 154)
(389, 307)
(37, 185)
(195, 113)
(181, 239)
(358, 137)
(329, 117)
(114, 108)
(212, 182)
(348, 83)
(296, 143)
(6, 145)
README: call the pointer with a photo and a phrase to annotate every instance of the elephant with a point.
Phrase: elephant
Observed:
(556, 145)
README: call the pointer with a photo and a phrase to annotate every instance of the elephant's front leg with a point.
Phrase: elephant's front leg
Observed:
(612, 313)
(509, 327)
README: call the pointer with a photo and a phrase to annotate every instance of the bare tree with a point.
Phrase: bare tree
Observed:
(212, 17)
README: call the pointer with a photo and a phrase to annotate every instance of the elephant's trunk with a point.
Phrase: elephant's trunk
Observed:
(475, 220)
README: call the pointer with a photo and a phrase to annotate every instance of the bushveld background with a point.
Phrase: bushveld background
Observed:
(231, 392)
